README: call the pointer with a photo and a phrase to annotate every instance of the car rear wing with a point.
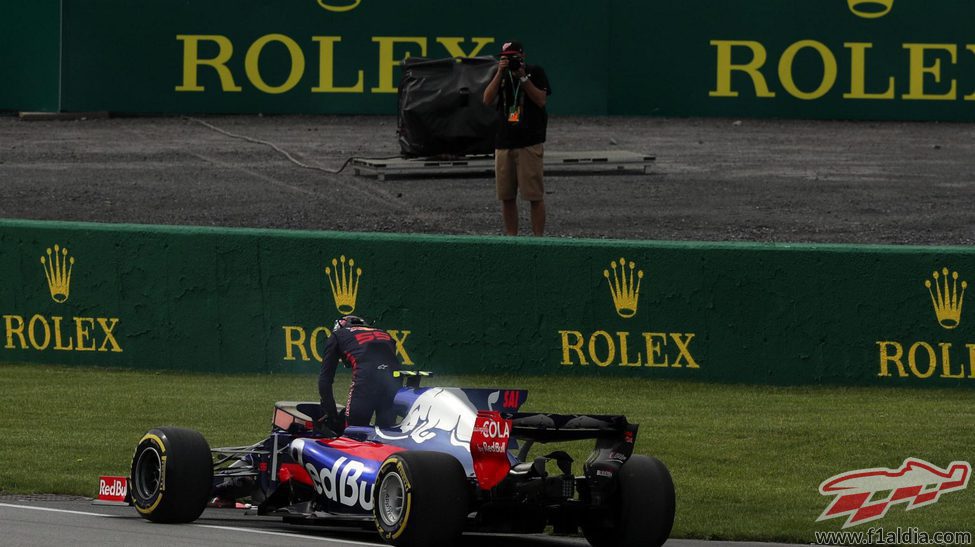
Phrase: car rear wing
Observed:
(544, 428)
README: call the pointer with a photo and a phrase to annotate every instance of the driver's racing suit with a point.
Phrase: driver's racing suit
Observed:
(371, 353)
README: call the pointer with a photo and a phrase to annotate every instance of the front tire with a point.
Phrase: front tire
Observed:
(421, 499)
(644, 506)
(172, 475)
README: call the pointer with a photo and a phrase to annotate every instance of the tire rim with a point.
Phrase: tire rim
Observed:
(148, 469)
(391, 495)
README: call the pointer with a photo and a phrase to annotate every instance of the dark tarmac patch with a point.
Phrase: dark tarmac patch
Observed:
(714, 179)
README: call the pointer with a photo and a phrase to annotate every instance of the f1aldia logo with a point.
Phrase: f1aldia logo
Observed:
(865, 495)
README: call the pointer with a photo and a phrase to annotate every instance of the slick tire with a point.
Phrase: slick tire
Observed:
(645, 507)
(421, 499)
(172, 475)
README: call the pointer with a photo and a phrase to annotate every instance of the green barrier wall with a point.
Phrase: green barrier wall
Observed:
(30, 55)
(852, 59)
(262, 301)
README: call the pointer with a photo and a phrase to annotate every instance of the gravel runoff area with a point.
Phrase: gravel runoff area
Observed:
(714, 179)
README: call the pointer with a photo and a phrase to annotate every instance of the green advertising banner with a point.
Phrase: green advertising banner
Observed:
(849, 59)
(227, 300)
(833, 59)
(30, 49)
(307, 56)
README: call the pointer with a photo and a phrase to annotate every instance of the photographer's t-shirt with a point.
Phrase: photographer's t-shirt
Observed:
(521, 122)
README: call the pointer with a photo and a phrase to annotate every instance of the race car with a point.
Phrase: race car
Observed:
(457, 460)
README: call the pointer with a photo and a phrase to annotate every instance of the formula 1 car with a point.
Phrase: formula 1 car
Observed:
(458, 460)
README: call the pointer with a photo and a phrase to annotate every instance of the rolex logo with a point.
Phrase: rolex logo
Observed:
(343, 277)
(57, 268)
(870, 9)
(624, 286)
(331, 6)
(945, 297)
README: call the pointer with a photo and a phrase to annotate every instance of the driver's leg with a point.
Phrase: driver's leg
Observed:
(360, 409)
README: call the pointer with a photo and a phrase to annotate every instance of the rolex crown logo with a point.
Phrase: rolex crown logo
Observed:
(870, 9)
(624, 286)
(57, 268)
(945, 297)
(340, 6)
(343, 277)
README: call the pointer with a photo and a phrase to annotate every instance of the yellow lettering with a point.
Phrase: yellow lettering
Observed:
(452, 45)
(108, 329)
(970, 47)
(577, 347)
(654, 350)
(400, 345)
(388, 61)
(9, 320)
(253, 69)
(918, 70)
(946, 362)
(58, 341)
(83, 333)
(610, 348)
(829, 70)
(326, 68)
(31, 332)
(858, 74)
(912, 361)
(624, 354)
(971, 360)
(294, 337)
(886, 358)
(192, 62)
(725, 68)
(314, 342)
(685, 353)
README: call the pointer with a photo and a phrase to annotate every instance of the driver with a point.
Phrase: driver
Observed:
(371, 353)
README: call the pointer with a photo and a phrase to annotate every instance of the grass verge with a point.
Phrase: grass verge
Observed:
(747, 461)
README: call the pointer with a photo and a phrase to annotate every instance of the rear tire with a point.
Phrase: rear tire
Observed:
(172, 475)
(421, 499)
(645, 505)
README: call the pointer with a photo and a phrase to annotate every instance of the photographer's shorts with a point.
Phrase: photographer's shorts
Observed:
(520, 170)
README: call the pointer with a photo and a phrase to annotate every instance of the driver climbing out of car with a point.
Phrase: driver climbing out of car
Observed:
(371, 353)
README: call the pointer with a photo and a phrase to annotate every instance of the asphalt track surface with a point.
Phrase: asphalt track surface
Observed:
(714, 180)
(60, 520)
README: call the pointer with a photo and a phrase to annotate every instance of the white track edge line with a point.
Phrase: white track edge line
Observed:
(35, 508)
(229, 528)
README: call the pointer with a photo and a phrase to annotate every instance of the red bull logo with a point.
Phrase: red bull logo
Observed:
(113, 489)
(916, 483)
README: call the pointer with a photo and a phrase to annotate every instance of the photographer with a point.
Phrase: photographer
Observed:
(521, 92)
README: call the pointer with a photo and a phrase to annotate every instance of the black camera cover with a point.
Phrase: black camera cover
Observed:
(441, 111)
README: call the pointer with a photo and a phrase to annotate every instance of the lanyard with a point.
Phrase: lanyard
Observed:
(518, 97)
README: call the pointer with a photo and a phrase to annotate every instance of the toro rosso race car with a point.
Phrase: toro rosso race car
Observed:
(458, 460)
